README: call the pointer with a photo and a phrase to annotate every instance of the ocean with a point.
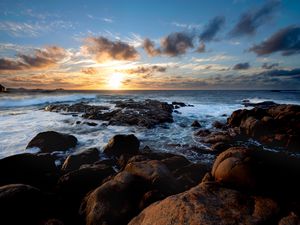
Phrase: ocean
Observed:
(22, 117)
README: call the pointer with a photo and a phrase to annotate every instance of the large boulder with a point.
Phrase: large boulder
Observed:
(157, 174)
(76, 160)
(122, 144)
(51, 141)
(114, 202)
(208, 204)
(22, 204)
(38, 170)
(260, 171)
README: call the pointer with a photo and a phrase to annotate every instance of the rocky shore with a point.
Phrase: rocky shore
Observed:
(124, 184)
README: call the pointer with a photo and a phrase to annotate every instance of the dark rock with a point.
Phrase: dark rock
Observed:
(91, 124)
(78, 107)
(220, 146)
(122, 144)
(2, 88)
(264, 104)
(74, 161)
(218, 125)
(156, 173)
(37, 170)
(196, 124)
(53, 222)
(114, 202)
(22, 204)
(181, 104)
(175, 162)
(51, 141)
(190, 175)
(208, 203)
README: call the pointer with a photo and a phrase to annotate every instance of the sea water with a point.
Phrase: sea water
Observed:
(22, 117)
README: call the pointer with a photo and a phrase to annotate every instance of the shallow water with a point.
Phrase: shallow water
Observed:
(21, 117)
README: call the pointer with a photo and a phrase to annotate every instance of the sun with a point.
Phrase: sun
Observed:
(115, 80)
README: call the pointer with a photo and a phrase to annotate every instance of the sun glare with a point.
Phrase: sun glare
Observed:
(115, 80)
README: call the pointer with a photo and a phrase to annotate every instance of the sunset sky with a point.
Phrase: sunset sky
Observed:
(136, 44)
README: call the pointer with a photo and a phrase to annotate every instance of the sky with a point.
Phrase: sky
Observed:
(139, 44)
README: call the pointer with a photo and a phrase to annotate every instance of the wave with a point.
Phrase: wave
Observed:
(23, 101)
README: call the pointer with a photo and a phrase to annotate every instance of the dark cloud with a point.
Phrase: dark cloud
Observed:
(176, 43)
(212, 28)
(286, 41)
(201, 48)
(288, 73)
(269, 66)
(41, 58)
(252, 19)
(89, 71)
(150, 49)
(103, 49)
(147, 71)
(241, 66)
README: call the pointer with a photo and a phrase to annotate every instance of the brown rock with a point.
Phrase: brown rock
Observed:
(74, 161)
(208, 204)
(122, 144)
(51, 141)
(196, 124)
(291, 219)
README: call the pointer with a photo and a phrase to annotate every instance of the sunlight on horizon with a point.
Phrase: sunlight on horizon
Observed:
(115, 81)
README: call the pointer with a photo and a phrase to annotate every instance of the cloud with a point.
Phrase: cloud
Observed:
(186, 26)
(251, 20)
(241, 66)
(176, 43)
(103, 49)
(269, 66)
(41, 58)
(287, 73)
(212, 28)
(286, 41)
(89, 70)
(201, 48)
(147, 71)
(150, 49)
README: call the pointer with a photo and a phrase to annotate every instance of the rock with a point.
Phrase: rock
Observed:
(74, 161)
(53, 222)
(157, 174)
(91, 124)
(218, 137)
(220, 146)
(275, 126)
(181, 104)
(218, 125)
(38, 170)
(196, 124)
(175, 162)
(208, 204)
(22, 204)
(190, 175)
(73, 186)
(258, 171)
(264, 104)
(51, 141)
(122, 144)
(114, 202)
(291, 219)
(78, 107)
(2, 88)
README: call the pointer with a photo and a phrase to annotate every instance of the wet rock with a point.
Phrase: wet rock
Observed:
(220, 146)
(91, 124)
(37, 170)
(74, 161)
(156, 173)
(114, 202)
(22, 204)
(196, 124)
(146, 113)
(122, 144)
(53, 222)
(276, 126)
(181, 104)
(218, 125)
(218, 137)
(264, 104)
(175, 162)
(51, 141)
(208, 204)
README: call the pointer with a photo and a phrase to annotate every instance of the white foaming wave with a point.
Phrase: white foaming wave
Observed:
(259, 100)
(22, 101)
